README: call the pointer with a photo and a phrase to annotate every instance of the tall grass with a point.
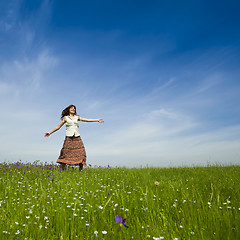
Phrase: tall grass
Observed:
(39, 201)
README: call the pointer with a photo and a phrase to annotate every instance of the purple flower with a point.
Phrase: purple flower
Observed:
(108, 195)
(121, 221)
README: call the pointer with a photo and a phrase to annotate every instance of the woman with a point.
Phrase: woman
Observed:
(73, 151)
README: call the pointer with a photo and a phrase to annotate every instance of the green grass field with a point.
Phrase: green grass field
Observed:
(43, 202)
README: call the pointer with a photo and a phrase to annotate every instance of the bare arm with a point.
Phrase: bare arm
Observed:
(90, 120)
(55, 129)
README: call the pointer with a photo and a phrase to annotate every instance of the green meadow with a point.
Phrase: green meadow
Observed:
(40, 201)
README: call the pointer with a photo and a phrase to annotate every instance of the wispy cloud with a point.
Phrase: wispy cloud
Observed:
(25, 75)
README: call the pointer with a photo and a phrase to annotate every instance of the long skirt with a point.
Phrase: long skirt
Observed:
(73, 151)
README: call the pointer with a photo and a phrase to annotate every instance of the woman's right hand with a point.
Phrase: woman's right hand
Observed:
(47, 134)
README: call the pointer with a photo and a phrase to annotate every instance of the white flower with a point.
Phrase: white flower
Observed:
(100, 207)
(96, 233)
(116, 205)
(27, 217)
(16, 223)
(17, 232)
(45, 218)
(104, 232)
(181, 226)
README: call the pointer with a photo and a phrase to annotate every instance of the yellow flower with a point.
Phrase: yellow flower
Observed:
(157, 183)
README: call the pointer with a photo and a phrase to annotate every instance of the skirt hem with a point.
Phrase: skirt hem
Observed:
(71, 162)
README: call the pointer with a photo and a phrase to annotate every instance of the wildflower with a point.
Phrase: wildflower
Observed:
(156, 183)
(121, 221)
(104, 232)
(108, 195)
(96, 233)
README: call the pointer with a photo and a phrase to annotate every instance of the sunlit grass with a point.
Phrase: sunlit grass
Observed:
(39, 201)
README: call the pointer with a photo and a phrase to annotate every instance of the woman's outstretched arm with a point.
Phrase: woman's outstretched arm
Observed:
(55, 129)
(90, 120)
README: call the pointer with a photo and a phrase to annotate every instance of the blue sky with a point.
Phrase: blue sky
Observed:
(163, 75)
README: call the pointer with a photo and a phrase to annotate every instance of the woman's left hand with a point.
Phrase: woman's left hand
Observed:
(100, 121)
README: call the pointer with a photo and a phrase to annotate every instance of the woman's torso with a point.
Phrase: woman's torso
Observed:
(72, 126)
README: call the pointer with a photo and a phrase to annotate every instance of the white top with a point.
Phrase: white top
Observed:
(72, 126)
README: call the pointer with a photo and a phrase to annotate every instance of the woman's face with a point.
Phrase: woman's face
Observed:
(72, 110)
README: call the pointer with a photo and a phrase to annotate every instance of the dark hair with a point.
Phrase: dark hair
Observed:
(65, 112)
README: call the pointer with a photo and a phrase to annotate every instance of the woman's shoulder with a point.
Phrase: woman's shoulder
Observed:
(64, 118)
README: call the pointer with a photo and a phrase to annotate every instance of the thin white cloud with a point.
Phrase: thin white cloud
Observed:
(23, 74)
(220, 146)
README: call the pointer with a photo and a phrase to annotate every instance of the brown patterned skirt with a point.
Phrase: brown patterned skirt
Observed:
(73, 151)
